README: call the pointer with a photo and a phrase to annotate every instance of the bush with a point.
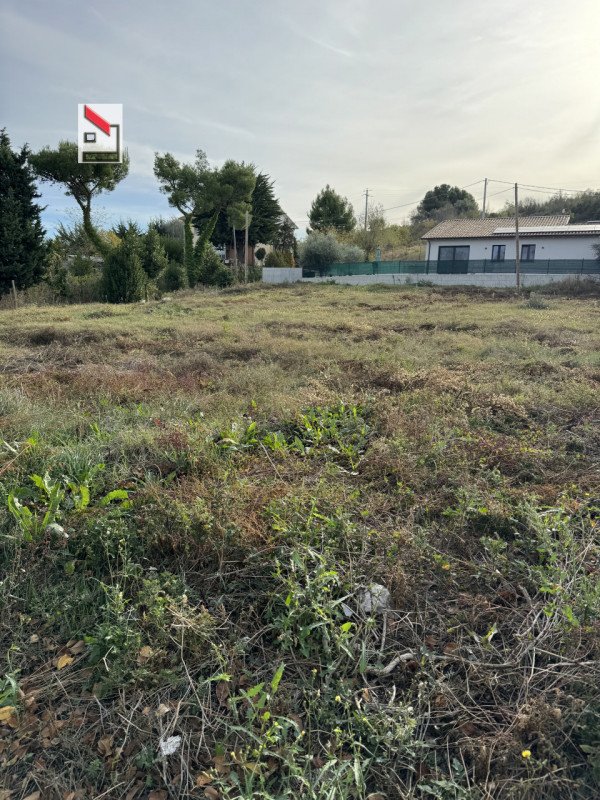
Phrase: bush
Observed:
(260, 253)
(154, 257)
(279, 258)
(212, 270)
(319, 250)
(172, 278)
(124, 279)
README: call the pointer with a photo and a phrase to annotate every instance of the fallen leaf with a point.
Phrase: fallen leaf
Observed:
(34, 638)
(204, 779)
(376, 796)
(222, 691)
(220, 765)
(77, 648)
(162, 710)
(33, 796)
(212, 793)
(64, 661)
(145, 654)
(105, 746)
(6, 712)
(5, 794)
(158, 794)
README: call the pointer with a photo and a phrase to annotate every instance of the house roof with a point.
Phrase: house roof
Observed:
(500, 226)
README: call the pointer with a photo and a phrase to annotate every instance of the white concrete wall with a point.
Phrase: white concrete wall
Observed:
(499, 280)
(545, 247)
(281, 274)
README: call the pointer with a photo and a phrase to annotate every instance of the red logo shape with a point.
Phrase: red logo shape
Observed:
(96, 120)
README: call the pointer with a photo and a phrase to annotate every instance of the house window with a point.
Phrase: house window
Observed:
(458, 253)
(453, 258)
(498, 252)
(528, 252)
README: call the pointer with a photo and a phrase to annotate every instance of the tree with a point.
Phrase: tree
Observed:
(201, 194)
(371, 236)
(154, 257)
(83, 182)
(286, 238)
(582, 207)
(446, 202)
(124, 279)
(330, 211)
(184, 185)
(265, 218)
(23, 251)
(319, 250)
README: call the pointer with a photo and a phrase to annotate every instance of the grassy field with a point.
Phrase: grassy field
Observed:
(202, 498)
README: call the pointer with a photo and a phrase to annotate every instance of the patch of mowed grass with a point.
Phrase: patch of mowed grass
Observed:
(198, 495)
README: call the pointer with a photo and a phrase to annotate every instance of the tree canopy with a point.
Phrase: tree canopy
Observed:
(582, 207)
(23, 251)
(445, 202)
(83, 182)
(331, 212)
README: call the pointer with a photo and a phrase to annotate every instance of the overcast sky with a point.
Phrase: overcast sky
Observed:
(394, 95)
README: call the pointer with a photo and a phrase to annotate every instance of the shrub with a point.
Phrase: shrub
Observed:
(260, 253)
(124, 279)
(212, 270)
(154, 257)
(172, 278)
(319, 250)
(279, 258)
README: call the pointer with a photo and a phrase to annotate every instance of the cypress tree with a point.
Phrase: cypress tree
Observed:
(23, 251)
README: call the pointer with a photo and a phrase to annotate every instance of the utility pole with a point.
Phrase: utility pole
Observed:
(517, 247)
(485, 183)
(246, 250)
(366, 207)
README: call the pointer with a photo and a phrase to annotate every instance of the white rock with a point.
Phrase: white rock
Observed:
(169, 745)
(375, 599)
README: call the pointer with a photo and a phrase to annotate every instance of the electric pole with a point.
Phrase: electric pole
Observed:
(366, 207)
(485, 183)
(517, 248)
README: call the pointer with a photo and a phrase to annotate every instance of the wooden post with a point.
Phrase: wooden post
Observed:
(517, 255)
(14, 292)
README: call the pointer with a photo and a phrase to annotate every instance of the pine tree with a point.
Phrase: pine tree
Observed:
(23, 251)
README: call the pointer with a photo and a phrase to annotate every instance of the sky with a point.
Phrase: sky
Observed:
(395, 96)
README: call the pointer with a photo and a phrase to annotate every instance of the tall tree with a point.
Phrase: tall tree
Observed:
(83, 182)
(446, 202)
(201, 194)
(265, 218)
(331, 212)
(184, 185)
(23, 251)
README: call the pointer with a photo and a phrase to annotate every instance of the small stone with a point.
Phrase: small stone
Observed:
(375, 599)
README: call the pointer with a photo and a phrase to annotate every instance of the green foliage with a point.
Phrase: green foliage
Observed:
(279, 258)
(83, 182)
(212, 270)
(23, 251)
(154, 257)
(446, 202)
(319, 250)
(172, 278)
(265, 213)
(124, 279)
(260, 253)
(331, 212)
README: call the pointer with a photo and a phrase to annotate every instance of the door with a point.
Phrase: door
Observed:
(453, 259)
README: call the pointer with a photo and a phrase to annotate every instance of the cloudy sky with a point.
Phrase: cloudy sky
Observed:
(394, 95)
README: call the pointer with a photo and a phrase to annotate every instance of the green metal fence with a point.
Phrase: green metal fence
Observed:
(557, 266)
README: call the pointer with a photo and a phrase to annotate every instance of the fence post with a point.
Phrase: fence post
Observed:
(581, 273)
(14, 292)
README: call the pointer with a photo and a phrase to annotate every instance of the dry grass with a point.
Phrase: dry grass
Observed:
(461, 471)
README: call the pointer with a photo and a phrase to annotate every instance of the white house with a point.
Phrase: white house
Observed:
(454, 243)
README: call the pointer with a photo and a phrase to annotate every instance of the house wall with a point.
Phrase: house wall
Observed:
(546, 247)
